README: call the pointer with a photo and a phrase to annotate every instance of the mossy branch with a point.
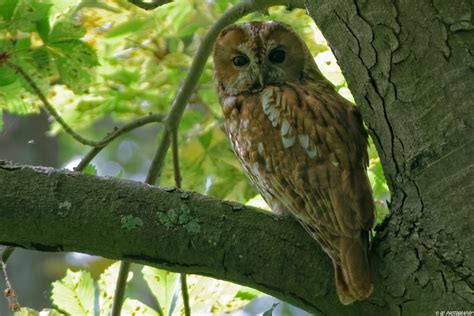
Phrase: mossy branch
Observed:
(182, 231)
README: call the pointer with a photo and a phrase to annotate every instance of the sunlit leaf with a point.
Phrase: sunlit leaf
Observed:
(74, 293)
(7, 7)
(107, 282)
(212, 297)
(65, 30)
(90, 169)
(7, 76)
(74, 61)
(162, 285)
(24, 311)
(128, 27)
(27, 14)
(133, 307)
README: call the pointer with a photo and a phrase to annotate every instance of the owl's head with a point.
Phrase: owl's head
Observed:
(250, 56)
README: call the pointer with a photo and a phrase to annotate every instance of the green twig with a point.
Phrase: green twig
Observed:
(185, 294)
(120, 287)
(159, 158)
(9, 292)
(177, 180)
(174, 150)
(49, 108)
(6, 252)
(149, 5)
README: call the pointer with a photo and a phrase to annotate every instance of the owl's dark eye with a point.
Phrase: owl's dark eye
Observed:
(240, 60)
(277, 55)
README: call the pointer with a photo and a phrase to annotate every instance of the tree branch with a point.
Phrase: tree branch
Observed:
(49, 108)
(139, 122)
(149, 5)
(51, 210)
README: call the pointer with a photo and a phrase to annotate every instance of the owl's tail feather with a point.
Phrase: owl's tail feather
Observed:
(353, 276)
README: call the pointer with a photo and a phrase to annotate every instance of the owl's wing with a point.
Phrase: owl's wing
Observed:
(330, 131)
(325, 185)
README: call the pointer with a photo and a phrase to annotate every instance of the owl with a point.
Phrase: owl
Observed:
(301, 144)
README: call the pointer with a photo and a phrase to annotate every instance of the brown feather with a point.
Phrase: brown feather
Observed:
(301, 144)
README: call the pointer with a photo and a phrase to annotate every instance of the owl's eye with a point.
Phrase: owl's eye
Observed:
(277, 55)
(240, 60)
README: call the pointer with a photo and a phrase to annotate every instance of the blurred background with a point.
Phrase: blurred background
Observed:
(102, 64)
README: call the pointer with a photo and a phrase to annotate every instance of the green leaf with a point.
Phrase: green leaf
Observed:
(90, 169)
(7, 76)
(24, 311)
(162, 284)
(74, 61)
(74, 293)
(41, 57)
(211, 297)
(65, 30)
(107, 282)
(7, 7)
(129, 27)
(22, 45)
(15, 99)
(82, 53)
(137, 308)
(26, 14)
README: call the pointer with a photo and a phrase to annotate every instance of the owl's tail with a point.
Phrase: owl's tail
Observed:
(353, 276)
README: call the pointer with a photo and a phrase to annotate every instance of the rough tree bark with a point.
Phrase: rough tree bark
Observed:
(409, 66)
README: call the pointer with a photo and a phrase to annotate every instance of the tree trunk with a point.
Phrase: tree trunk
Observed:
(409, 67)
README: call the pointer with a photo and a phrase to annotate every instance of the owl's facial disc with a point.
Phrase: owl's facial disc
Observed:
(250, 56)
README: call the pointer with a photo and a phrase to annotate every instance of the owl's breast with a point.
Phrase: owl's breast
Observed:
(245, 125)
(258, 143)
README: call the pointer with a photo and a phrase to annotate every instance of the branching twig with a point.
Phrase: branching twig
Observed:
(151, 118)
(120, 288)
(176, 168)
(185, 294)
(177, 180)
(159, 158)
(97, 144)
(149, 5)
(9, 292)
(49, 108)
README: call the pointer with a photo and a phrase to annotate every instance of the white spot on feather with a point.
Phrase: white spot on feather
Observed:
(260, 149)
(285, 127)
(276, 118)
(312, 152)
(245, 123)
(229, 102)
(288, 141)
(304, 141)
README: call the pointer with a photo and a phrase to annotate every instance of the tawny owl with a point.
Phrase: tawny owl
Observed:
(301, 144)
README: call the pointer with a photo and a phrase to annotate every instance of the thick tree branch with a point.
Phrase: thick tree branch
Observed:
(51, 210)
(409, 67)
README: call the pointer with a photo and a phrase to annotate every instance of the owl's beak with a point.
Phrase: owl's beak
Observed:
(261, 79)
(258, 85)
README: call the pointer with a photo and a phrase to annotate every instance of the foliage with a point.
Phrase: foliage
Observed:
(76, 293)
(102, 61)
